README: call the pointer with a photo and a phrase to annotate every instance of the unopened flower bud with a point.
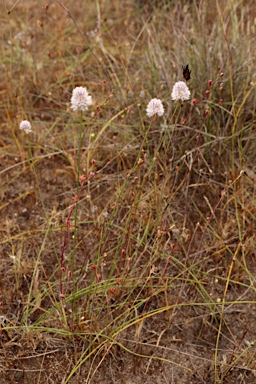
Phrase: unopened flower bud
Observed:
(82, 179)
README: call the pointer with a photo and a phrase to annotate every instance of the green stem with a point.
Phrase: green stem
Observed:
(79, 147)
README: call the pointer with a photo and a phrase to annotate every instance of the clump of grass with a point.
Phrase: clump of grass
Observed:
(129, 227)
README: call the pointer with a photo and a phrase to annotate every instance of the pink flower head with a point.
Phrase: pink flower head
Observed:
(25, 126)
(155, 107)
(80, 99)
(180, 91)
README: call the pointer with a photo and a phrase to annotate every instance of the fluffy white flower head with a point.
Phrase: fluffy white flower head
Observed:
(25, 126)
(180, 91)
(80, 99)
(155, 107)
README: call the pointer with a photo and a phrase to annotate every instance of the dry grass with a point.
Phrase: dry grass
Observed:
(158, 275)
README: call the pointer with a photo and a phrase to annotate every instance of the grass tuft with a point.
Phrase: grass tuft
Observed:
(128, 237)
